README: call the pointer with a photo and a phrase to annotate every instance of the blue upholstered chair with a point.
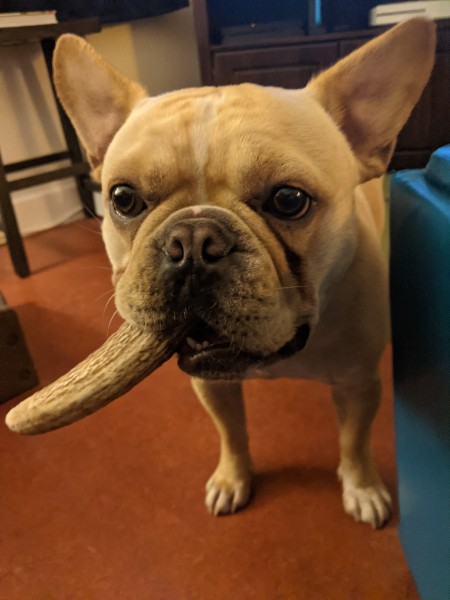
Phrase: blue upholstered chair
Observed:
(420, 299)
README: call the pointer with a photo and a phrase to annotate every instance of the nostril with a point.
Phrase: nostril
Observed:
(215, 248)
(175, 250)
(212, 251)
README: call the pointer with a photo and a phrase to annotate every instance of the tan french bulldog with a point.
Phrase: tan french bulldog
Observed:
(248, 213)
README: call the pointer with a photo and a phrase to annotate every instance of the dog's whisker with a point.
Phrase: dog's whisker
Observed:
(291, 287)
(102, 295)
(109, 300)
(241, 348)
(95, 267)
(116, 312)
(92, 213)
(84, 228)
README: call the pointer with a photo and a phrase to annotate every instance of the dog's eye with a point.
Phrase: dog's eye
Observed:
(126, 201)
(289, 203)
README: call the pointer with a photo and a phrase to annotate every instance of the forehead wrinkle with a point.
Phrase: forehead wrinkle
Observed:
(268, 171)
(268, 134)
(253, 162)
(159, 157)
(175, 100)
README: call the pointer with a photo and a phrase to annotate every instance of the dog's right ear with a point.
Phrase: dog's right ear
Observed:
(371, 92)
(95, 95)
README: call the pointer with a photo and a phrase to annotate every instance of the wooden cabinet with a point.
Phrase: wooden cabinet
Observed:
(290, 61)
(284, 66)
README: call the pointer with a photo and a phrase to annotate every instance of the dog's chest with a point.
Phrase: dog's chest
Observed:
(295, 367)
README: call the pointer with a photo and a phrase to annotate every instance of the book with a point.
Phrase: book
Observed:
(24, 19)
(388, 14)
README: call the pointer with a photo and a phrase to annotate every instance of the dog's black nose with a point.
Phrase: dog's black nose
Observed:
(200, 241)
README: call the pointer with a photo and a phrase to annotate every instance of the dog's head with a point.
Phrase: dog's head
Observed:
(233, 207)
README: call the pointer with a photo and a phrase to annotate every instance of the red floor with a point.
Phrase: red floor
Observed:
(111, 508)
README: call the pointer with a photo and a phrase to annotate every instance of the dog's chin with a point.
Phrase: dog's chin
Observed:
(215, 358)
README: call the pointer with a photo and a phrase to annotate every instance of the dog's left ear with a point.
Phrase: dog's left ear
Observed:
(371, 93)
(95, 95)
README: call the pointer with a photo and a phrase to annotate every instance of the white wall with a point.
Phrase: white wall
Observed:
(161, 53)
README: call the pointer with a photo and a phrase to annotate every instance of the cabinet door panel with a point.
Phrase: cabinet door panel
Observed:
(288, 66)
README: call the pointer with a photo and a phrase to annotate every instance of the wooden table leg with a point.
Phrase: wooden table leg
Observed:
(17, 373)
(11, 229)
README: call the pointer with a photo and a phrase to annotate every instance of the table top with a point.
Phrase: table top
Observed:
(36, 33)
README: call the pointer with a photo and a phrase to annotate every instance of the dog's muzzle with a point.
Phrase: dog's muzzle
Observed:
(196, 254)
(197, 251)
(202, 255)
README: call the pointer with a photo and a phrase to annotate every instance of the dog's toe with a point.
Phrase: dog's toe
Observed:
(371, 504)
(226, 495)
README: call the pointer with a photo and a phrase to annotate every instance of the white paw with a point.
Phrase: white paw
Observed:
(371, 504)
(226, 494)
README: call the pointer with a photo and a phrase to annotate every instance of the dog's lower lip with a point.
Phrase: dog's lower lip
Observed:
(297, 343)
(216, 362)
(216, 359)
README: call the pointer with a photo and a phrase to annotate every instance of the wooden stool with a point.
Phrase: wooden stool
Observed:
(17, 373)
(46, 35)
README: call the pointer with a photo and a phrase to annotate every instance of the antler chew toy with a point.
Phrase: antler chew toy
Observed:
(120, 363)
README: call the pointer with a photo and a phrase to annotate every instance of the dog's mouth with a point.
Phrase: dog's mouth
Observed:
(208, 354)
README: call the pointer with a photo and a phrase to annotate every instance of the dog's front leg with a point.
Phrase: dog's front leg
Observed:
(229, 486)
(365, 497)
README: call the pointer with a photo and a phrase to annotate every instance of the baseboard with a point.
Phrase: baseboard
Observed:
(98, 203)
(46, 206)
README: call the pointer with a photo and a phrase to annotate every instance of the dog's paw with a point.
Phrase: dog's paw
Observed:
(372, 504)
(227, 492)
